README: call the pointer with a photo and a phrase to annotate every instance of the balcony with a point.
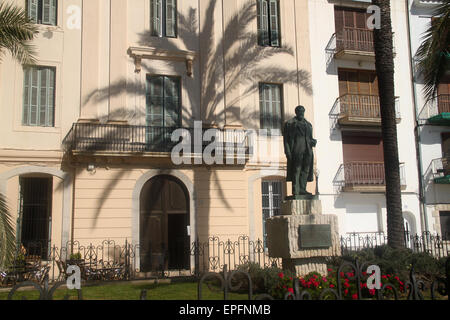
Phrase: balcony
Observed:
(439, 171)
(353, 44)
(118, 139)
(437, 111)
(364, 176)
(358, 110)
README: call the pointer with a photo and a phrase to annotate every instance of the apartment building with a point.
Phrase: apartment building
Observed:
(433, 132)
(86, 134)
(347, 116)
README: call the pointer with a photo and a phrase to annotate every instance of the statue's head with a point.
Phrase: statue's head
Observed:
(300, 112)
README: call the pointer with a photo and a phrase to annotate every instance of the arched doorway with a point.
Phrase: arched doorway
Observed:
(164, 221)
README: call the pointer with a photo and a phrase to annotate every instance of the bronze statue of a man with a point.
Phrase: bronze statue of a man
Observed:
(298, 144)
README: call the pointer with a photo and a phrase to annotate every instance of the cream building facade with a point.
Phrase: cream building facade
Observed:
(93, 164)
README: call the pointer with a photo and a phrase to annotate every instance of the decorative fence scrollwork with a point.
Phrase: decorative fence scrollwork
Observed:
(414, 288)
(45, 292)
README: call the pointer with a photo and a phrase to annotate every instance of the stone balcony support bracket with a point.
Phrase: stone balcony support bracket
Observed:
(139, 53)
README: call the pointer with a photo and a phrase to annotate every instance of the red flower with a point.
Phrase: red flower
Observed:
(291, 290)
(281, 275)
(324, 279)
(384, 277)
(331, 285)
(341, 274)
(346, 291)
(330, 270)
(355, 296)
(364, 273)
(346, 285)
(372, 292)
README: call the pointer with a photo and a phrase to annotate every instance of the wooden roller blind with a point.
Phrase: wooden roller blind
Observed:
(362, 82)
(350, 18)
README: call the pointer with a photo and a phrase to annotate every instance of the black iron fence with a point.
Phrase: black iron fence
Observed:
(108, 260)
(434, 244)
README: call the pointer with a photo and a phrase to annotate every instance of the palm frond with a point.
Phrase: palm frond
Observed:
(16, 34)
(7, 236)
(433, 55)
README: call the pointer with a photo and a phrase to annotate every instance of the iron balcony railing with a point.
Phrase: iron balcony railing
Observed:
(359, 106)
(364, 173)
(352, 39)
(439, 168)
(94, 137)
(439, 105)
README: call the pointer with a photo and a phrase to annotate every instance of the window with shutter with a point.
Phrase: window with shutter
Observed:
(268, 20)
(39, 97)
(42, 11)
(271, 192)
(32, 10)
(163, 109)
(163, 15)
(270, 101)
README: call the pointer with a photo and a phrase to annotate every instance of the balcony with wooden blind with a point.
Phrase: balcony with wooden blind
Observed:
(363, 163)
(353, 40)
(358, 110)
(364, 176)
(358, 103)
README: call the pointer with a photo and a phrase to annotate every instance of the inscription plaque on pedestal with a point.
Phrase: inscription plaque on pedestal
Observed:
(314, 236)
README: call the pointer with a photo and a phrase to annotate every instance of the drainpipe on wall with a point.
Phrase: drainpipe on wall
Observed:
(422, 206)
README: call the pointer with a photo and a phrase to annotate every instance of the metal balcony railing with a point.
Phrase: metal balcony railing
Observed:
(359, 107)
(439, 170)
(95, 137)
(435, 107)
(363, 173)
(354, 40)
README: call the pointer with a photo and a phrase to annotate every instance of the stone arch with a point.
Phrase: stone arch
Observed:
(409, 218)
(67, 192)
(135, 214)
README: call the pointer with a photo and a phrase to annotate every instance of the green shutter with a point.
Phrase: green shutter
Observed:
(32, 10)
(50, 91)
(38, 97)
(155, 101)
(171, 18)
(26, 96)
(274, 24)
(270, 106)
(263, 26)
(155, 8)
(171, 101)
(49, 12)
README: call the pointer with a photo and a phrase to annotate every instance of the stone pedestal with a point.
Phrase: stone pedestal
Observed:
(303, 237)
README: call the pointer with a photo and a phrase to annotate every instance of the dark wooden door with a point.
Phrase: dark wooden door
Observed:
(163, 225)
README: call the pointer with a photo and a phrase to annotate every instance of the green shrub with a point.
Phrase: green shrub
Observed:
(271, 280)
(396, 261)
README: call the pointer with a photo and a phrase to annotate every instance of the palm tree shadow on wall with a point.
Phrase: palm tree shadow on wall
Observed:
(246, 65)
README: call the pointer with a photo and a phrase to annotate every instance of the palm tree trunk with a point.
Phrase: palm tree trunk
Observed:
(384, 63)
